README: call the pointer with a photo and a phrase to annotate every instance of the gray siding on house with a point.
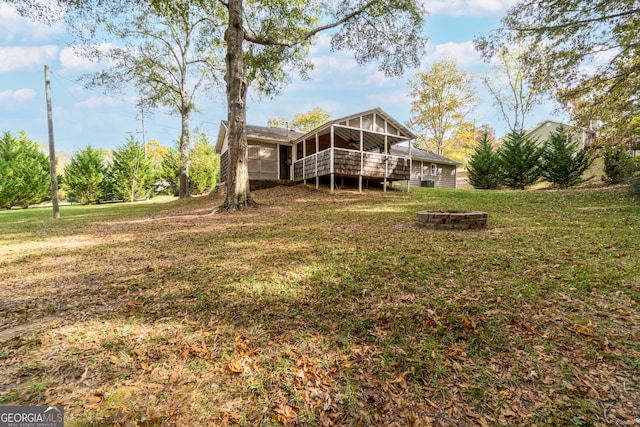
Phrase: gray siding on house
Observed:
(224, 166)
(444, 178)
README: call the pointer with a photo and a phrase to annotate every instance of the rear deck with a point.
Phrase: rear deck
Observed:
(353, 147)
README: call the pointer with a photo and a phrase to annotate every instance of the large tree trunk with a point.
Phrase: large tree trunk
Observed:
(184, 157)
(238, 194)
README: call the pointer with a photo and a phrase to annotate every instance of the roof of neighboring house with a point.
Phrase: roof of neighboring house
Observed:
(553, 125)
(418, 154)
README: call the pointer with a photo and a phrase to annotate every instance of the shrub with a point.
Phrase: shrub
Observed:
(204, 166)
(169, 172)
(618, 165)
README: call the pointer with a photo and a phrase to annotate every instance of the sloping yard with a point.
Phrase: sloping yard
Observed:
(319, 309)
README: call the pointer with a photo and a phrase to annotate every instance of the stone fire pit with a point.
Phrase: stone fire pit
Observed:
(452, 220)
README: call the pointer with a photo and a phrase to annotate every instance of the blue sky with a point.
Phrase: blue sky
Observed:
(337, 84)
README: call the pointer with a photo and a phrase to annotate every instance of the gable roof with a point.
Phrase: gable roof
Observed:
(405, 133)
(418, 154)
(375, 137)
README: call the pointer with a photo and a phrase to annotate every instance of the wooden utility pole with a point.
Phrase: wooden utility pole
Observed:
(52, 150)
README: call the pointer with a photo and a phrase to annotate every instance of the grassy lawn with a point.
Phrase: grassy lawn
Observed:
(319, 309)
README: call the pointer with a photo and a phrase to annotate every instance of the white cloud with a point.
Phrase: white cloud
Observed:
(322, 43)
(464, 53)
(18, 58)
(98, 102)
(20, 95)
(395, 99)
(16, 29)
(468, 7)
(71, 58)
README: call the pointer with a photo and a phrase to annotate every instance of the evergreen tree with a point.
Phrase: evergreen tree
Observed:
(132, 172)
(86, 177)
(482, 167)
(24, 172)
(563, 163)
(204, 165)
(169, 171)
(519, 160)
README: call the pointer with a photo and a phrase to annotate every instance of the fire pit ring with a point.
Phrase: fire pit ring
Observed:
(452, 220)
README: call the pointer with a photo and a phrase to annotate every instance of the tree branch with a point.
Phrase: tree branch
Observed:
(254, 38)
(578, 23)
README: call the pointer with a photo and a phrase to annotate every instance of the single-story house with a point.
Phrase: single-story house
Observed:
(368, 147)
(585, 137)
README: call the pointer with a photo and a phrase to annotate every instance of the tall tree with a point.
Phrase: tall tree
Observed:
(511, 86)
(442, 100)
(563, 162)
(303, 122)
(170, 51)
(272, 36)
(24, 172)
(591, 55)
(519, 160)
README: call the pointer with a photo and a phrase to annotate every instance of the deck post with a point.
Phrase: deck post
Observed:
(304, 161)
(331, 159)
(361, 157)
(294, 154)
(410, 170)
(386, 162)
(317, 150)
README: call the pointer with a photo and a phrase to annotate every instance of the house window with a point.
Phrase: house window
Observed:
(434, 169)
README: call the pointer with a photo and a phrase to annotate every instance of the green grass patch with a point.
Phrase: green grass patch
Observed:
(320, 309)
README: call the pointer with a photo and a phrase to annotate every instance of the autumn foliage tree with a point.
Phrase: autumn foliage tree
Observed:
(442, 99)
(303, 122)
(513, 88)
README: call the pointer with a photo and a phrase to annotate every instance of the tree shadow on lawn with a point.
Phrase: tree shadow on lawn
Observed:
(259, 317)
